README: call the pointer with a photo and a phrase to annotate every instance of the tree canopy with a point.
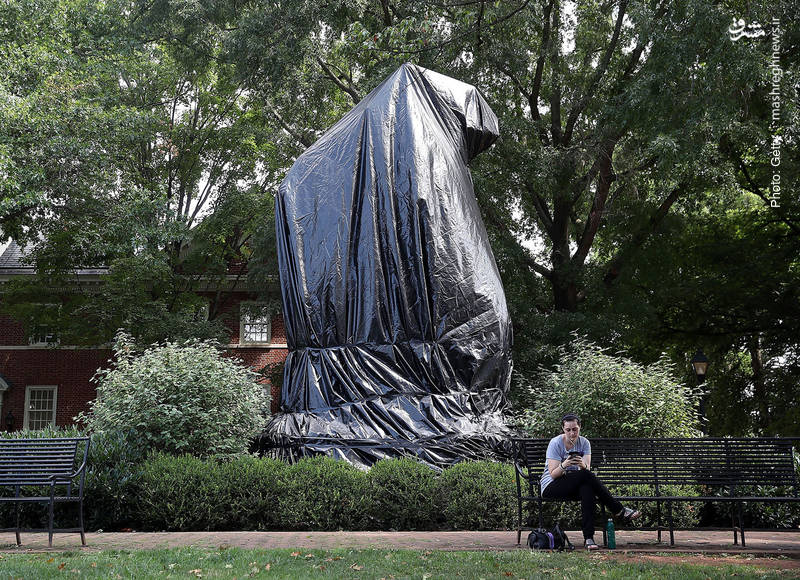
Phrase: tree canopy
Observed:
(631, 196)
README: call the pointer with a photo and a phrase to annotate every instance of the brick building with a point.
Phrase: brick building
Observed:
(44, 382)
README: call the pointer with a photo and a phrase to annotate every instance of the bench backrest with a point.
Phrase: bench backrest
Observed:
(673, 461)
(35, 461)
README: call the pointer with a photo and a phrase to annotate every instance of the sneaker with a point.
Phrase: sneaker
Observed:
(627, 514)
(590, 545)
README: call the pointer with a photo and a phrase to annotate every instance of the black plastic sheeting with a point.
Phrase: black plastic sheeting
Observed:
(396, 321)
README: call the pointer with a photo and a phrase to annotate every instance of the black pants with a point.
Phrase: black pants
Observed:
(585, 486)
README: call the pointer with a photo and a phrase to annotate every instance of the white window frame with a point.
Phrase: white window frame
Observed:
(245, 320)
(28, 389)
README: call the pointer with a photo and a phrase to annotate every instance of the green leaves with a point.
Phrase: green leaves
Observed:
(180, 398)
(613, 395)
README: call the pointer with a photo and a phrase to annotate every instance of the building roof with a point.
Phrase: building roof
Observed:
(13, 263)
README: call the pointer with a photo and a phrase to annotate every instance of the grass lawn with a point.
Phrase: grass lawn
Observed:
(343, 563)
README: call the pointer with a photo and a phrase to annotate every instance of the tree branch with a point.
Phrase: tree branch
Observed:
(575, 112)
(623, 255)
(753, 187)
(301, 138)
(605, 178)
(354, 96)
(501, 226)
(533, 98)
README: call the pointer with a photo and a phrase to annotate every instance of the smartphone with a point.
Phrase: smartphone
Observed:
(574, 453)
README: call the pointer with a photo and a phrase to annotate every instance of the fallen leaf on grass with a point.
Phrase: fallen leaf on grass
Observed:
(94, 564)
(508, 573)
(268, 566)
(197, 572)
(62, 565)
(51, 560)
(308, 556)
(294, 554)
(356, 567)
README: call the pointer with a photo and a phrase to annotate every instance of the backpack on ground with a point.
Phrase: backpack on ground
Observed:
(555, 539)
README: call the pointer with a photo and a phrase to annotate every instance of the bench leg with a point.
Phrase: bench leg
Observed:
(671, 524)
(51, 519)
(541, 508)
(658, 520)
(741, 524)
(80, 522)
(19, 540)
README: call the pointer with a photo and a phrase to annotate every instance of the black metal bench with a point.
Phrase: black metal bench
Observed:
(46, 471)
(724, 470)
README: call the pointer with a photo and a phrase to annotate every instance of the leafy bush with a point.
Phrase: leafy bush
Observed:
(402, 495)
(320, 493)
(479, 495)
(180, 494)
(251, 490)
(112, 477)
(613, 395)
(179, 399)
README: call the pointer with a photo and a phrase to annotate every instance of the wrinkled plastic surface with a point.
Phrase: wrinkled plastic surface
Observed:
(398, 332)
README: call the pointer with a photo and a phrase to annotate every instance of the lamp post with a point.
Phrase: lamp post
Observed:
(700, 366)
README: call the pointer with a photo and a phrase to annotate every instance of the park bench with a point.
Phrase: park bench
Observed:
(721, 470)
(44, 471)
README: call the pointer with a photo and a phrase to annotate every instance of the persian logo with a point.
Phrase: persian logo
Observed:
(739, 29)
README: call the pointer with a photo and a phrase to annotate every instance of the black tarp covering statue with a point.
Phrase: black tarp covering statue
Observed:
(396, 321)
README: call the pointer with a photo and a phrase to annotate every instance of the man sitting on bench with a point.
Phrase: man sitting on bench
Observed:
(567, 476)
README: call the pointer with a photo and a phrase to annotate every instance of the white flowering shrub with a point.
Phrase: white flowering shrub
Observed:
(179, 398)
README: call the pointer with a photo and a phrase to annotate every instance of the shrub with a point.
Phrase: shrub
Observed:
(402, 495)
(179, 398)
(250, 493)
(320, 493)
(112, 476)
(613, 395)
(190, 494)
(179, 494)
(479, 495)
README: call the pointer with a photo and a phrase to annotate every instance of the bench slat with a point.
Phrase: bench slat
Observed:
(42, 466)
(720, 465)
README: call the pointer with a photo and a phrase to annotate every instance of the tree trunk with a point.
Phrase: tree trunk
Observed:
(759, 384)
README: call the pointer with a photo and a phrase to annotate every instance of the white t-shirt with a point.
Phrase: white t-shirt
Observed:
(558, 451)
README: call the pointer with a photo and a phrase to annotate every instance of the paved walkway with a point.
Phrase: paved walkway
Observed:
(786, 544)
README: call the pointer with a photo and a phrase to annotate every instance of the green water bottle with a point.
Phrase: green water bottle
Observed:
(611, 537)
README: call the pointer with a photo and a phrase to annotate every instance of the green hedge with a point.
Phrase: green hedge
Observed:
(403, 496)
(127, 488)
(186, 493)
